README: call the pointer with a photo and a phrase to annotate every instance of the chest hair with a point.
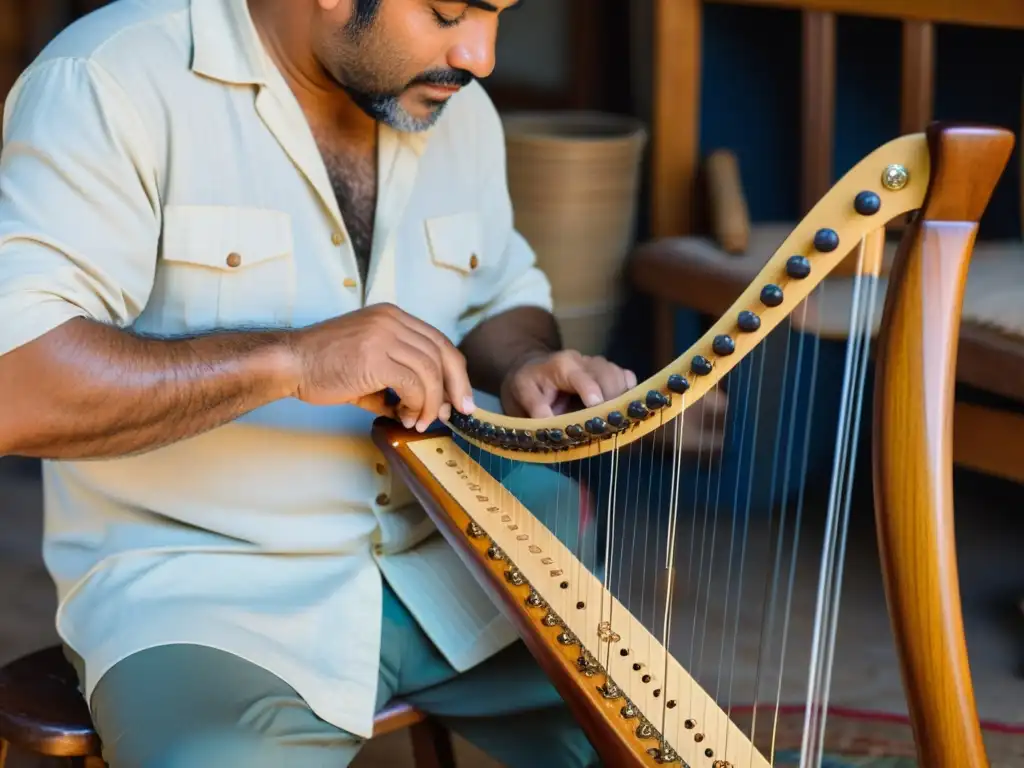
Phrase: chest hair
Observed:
(353, 176)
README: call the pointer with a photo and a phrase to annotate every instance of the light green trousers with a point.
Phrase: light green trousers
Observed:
(188, 706)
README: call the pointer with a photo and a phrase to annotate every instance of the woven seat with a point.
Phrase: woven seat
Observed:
(43, 712)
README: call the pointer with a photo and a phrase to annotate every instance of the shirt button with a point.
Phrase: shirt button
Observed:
(337, 238)
(382, 469)
(350, 283)
(474, 262)
(383, 500)
(378, 549)
(234, 260)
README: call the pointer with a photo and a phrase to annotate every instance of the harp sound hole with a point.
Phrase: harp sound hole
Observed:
(624, 652)
(580, 605)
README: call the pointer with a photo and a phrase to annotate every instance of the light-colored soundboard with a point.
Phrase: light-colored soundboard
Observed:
(674, 704)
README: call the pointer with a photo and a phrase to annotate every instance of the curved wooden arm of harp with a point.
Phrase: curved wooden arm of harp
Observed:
(891, 181)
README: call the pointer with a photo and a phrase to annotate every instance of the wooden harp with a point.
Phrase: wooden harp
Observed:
(644, 695)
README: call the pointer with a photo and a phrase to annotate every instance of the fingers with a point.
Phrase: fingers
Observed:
(418, 382)
(612, 379)
(455, 378)
(538, 388)
(531, 396)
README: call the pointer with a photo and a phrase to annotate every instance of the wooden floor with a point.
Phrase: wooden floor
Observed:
(991, 530)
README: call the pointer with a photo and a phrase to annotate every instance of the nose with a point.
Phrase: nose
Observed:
(474, 50)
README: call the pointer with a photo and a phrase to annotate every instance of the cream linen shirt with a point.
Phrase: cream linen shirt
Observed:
(158, 174)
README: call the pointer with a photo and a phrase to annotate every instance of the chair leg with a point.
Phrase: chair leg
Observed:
(431, 745)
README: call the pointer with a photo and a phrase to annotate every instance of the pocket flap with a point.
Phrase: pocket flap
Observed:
(455, 241)
(225, 237)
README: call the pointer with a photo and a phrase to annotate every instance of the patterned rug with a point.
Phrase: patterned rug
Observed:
(856, 739)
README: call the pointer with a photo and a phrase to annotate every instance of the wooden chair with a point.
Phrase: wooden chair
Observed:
(42, 712)
(681, 266)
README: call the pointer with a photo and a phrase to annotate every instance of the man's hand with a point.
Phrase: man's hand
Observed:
(355, 357)
(546, 385)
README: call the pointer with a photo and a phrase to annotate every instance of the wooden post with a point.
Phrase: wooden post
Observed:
(918, 87)
(676, 119)
(818, 108)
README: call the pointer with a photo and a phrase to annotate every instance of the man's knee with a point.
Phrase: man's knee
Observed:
(191, 706)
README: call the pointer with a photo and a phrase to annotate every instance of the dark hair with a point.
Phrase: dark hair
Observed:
(365, 12)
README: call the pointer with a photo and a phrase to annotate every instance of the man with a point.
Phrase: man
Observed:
(225, 229)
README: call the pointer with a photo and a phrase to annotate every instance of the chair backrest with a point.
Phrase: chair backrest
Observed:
(677, 74)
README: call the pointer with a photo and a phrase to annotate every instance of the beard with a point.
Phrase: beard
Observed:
(370, 71)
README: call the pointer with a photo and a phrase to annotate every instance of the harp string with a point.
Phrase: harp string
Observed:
(748, 500)
(693, 538)
(670, 538)
(798, 516)
(840, 500)
(623, 491)
(714, 534)
(771, 580)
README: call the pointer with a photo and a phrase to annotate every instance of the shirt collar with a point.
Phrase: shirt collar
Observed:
(225, 44)
(227, 47)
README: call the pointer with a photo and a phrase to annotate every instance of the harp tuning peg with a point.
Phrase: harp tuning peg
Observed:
(637, 410)
(723, 345)
(798, 267)
(656, 400)
(771, 295)
(678, 383)
(700, 365)
(826, 240)
(867, 203)
(747, 321)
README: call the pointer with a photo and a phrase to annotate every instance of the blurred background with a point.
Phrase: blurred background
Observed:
(659, 150)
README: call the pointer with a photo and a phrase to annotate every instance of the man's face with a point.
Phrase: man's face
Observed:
(401, 60)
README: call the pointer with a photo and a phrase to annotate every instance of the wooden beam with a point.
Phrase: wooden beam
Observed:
(917, 97)
(985, 13)
(818, 106)
(675, 136)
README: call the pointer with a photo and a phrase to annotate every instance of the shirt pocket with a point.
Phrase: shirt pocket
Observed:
(454, 242)
(226, 267)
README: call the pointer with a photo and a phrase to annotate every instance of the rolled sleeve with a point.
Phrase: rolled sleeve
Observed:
(79, 212)
(513, 279)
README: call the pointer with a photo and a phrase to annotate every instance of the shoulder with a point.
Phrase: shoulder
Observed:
(123, 33)
(127, 42)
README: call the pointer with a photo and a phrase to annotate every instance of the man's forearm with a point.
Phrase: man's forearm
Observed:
(87, 390)
(502, 343)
